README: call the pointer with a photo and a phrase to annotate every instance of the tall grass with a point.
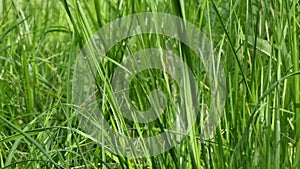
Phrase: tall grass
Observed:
(256, 41)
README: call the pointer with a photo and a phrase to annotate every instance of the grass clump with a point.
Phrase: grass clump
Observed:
(257, 43)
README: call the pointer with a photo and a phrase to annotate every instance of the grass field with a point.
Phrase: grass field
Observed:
(256, 41)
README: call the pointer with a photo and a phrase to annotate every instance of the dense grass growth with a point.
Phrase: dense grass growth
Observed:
(256, 41)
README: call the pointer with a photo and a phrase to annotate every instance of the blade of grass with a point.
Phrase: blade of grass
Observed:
(34, 142)
(232, 47)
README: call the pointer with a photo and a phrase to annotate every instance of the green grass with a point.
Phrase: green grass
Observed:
(256, 41)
